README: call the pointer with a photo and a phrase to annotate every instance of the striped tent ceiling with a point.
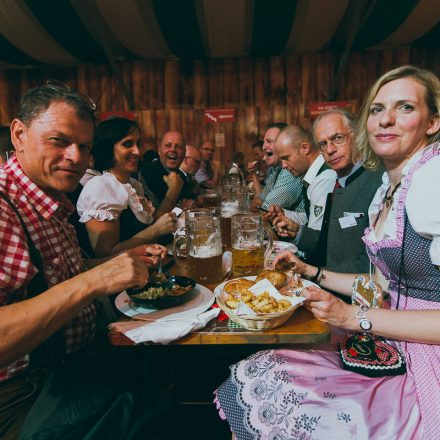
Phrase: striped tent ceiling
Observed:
(68, 32)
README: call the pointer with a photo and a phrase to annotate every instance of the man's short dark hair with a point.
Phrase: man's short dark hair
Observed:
(37, 100)
(107, 134)
(279, 125)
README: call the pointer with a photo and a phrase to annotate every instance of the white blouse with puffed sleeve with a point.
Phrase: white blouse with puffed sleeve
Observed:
(104, 198)
(422, 202)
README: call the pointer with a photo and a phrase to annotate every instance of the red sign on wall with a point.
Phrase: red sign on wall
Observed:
(219, 115)
(316, 108)
(116, 114)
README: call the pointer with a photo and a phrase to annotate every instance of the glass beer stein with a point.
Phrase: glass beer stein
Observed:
(211, 198)
(249, 249)
(230, 205)
(204, 251)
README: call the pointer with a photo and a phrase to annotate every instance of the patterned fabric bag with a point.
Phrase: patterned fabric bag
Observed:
(363, 352)
(370, 355)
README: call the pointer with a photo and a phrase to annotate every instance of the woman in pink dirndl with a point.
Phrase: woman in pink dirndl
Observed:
(305, 394)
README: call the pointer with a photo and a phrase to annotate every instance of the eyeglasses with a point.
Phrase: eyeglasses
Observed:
(336, 140)
(9, 153)
(57, 85)
(207, 149)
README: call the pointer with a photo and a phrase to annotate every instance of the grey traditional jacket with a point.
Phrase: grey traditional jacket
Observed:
(341, 249)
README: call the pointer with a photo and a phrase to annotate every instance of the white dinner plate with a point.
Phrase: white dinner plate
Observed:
(201, 300)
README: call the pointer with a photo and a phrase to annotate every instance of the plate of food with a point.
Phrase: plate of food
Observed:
(163, 293)
(199, 299)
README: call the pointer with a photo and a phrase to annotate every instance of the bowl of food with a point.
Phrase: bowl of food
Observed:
(170, 292)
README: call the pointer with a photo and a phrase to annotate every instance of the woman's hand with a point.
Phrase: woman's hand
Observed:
(328, 308)
(288, 257)
(285, 227)
(165, 224)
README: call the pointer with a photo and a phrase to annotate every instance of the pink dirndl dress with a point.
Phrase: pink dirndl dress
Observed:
(296, 394)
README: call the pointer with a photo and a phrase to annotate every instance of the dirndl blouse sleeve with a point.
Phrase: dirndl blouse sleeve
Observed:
(104, 198)
(423, 205)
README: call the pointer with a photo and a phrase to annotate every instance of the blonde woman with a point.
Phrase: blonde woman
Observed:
(287, 394)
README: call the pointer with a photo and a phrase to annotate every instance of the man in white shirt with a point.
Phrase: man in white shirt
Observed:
(300, 156)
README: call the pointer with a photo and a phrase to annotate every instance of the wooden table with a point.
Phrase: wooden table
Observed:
(301, 328)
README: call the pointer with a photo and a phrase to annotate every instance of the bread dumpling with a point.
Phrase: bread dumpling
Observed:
(276, 277)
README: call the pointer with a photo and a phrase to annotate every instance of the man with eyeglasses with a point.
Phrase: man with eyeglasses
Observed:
(208, 174)
(191, 163)
(281, 187)
(337, 244)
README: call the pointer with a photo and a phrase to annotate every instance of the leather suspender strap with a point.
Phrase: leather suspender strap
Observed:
(34, 254)
(52, 350)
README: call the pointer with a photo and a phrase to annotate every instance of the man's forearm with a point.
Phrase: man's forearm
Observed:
(26, 324)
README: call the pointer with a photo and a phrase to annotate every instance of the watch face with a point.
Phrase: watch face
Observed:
(365, 324)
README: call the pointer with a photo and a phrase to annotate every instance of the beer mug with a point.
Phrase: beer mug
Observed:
(249, 255)
(204, 251)
(244, 198)
(232, 179)
(211, 198)
(230, 205)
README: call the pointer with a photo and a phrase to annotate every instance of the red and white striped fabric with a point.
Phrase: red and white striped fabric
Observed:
(47, 222)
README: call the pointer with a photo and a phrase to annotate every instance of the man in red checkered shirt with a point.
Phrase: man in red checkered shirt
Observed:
(52, 136)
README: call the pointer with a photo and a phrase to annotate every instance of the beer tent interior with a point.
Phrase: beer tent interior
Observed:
(168, 62)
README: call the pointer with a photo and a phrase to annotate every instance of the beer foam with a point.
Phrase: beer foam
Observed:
(228, 209)
(205, 251)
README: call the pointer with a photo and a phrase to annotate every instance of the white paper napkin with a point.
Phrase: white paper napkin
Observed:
(163, 332)
(265, 285)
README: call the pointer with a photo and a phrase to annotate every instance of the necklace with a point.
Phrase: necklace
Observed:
(387, 200)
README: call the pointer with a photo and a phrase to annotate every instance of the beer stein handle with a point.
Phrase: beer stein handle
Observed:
(268, 252)
(179, 237)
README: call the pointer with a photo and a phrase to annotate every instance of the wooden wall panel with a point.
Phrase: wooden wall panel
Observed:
(173, 94)
(246, 82)
(293, 84)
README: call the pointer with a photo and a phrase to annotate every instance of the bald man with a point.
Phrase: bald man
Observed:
(163, 176)
(300, 156)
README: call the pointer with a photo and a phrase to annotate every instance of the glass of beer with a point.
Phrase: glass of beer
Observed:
(204, 251)
(210, 198)
(249, 251)
(230, 205)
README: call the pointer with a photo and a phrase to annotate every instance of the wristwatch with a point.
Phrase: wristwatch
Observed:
(364, 322)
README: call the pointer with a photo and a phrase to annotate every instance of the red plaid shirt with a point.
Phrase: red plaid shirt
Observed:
(47, 222)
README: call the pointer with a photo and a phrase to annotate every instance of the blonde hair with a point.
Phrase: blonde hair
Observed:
(432, 98)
